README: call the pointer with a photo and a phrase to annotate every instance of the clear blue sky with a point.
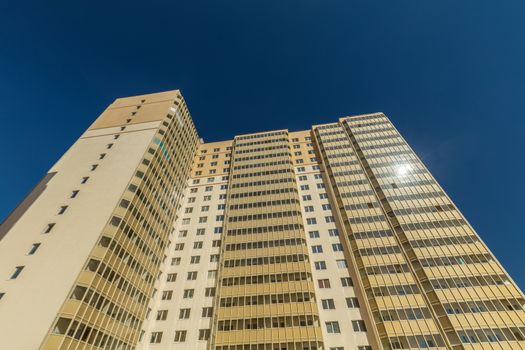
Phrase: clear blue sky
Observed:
(450, 74)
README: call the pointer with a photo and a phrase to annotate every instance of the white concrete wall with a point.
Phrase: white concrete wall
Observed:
(348, 338)
(195, 322)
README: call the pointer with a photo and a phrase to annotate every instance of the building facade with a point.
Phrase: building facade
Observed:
(144, 237)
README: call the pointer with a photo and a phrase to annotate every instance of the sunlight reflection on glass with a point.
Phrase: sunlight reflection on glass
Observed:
(403, 169)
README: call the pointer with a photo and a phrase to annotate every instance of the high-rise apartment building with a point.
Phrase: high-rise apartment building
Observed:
(338, 238)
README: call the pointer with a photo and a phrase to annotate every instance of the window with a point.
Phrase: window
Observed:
(320, 265)
(180, 336)
(156, 337)
(329, 219)
(212, 273)
(188, 293)
(167, 294)
(191, 199)
(171, 277)
(323, 196)
(116, 137)
(341, 263)
(124, 203)
(162, 315)
(192, 275)
(203, 219)
(324, 283)
(214, 258)
(205, 208)
(364, 347)
(347, 282)
(326, 207)
(17, 272)
(207, 198)
(49, 227)
(221, 206)
(84, 180)
(62, 210)
(115, 221)
(175, 261)
(109, 145)
(208, 189)
(309, 208)
(328, 304)
(307, 197)
(183, 233)
(195, 259)
(207, 312)
(219, 218)
(217, 230)
(216, 243)
(197, 245)
(188, 210)
(209, 292)
(333, 232)
(311, 221)
(93, 167)
(73, 194)
(352, 302)
(305, 187)
(33, 249)
(201, 231)
(313, 234)
(317, 249)
(333, 327)
(359, 326)
(337, 247)
(102, 155)
(184, 314)
(204, 334)
(179, 246)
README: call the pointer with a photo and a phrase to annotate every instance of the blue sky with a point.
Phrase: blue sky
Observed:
(450, 75)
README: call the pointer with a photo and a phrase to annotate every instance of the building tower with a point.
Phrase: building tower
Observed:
(338, 237)
(82, 252)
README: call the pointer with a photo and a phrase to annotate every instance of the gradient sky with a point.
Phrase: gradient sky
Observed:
(449, 74)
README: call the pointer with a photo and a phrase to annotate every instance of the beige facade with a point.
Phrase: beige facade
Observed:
(337, 237)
